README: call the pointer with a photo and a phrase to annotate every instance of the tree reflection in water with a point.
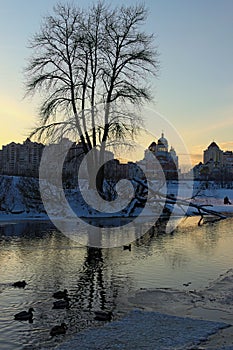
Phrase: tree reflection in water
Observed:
(97, 279)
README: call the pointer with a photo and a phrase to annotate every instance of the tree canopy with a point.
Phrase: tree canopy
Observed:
(92, 68)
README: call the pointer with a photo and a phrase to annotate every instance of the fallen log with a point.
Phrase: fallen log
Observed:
(160, 197)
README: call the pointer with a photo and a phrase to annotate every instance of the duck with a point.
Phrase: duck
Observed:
(61, 304)
(187, 284)
(103, 315)
(56, 330)
(24, 315)
(19, 284)
(127, 247)
(61, 294)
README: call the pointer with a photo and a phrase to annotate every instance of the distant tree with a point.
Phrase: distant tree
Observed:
(92, 69)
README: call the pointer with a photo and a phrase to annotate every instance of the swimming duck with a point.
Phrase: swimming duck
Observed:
(61, 304)
(61, 294)
(56, 330)
(24, 315)
(103, 315)
(19, 284)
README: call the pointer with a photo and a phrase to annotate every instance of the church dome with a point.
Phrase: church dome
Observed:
(163, 141)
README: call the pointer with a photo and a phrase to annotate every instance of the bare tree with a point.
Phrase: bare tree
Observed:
(92, 68)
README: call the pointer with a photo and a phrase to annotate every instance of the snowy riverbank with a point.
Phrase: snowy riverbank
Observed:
(214, 303)
(168, 319)
(20, 200)
(145, 330)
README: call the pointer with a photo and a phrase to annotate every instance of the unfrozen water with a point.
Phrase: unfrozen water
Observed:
(97, 279)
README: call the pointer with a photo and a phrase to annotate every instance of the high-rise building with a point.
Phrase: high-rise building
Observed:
(217, 164)
(21, 159)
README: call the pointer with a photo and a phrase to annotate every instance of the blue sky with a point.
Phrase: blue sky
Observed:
(194, 90)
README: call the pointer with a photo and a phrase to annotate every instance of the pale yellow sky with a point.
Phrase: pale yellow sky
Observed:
(19, 116)
(17, 119)
(194, 90)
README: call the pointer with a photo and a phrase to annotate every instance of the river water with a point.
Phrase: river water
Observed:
(97, 279)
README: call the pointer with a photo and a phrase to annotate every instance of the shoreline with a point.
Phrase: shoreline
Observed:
(167, 319)
(213, 303)
(8, 218)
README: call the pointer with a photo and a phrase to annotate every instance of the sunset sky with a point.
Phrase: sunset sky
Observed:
(194, 91)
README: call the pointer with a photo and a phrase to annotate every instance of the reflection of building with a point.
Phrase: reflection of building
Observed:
(217, 164)
(159, 161)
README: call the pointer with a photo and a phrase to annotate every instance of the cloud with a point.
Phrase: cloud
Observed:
(226, 146)
(196, 158)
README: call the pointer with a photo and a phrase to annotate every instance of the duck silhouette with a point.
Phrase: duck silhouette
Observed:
(62, 304)
(103, 315)
(60, 294)
(19, 284)
(187, 284)
(56, 330)
(24, 315)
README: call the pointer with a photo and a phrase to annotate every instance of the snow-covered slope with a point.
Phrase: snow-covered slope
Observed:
(19, 194)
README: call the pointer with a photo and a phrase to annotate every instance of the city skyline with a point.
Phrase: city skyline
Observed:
(194, 89)
(33, 150)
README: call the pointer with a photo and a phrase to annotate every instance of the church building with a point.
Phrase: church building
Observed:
(159, 161)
